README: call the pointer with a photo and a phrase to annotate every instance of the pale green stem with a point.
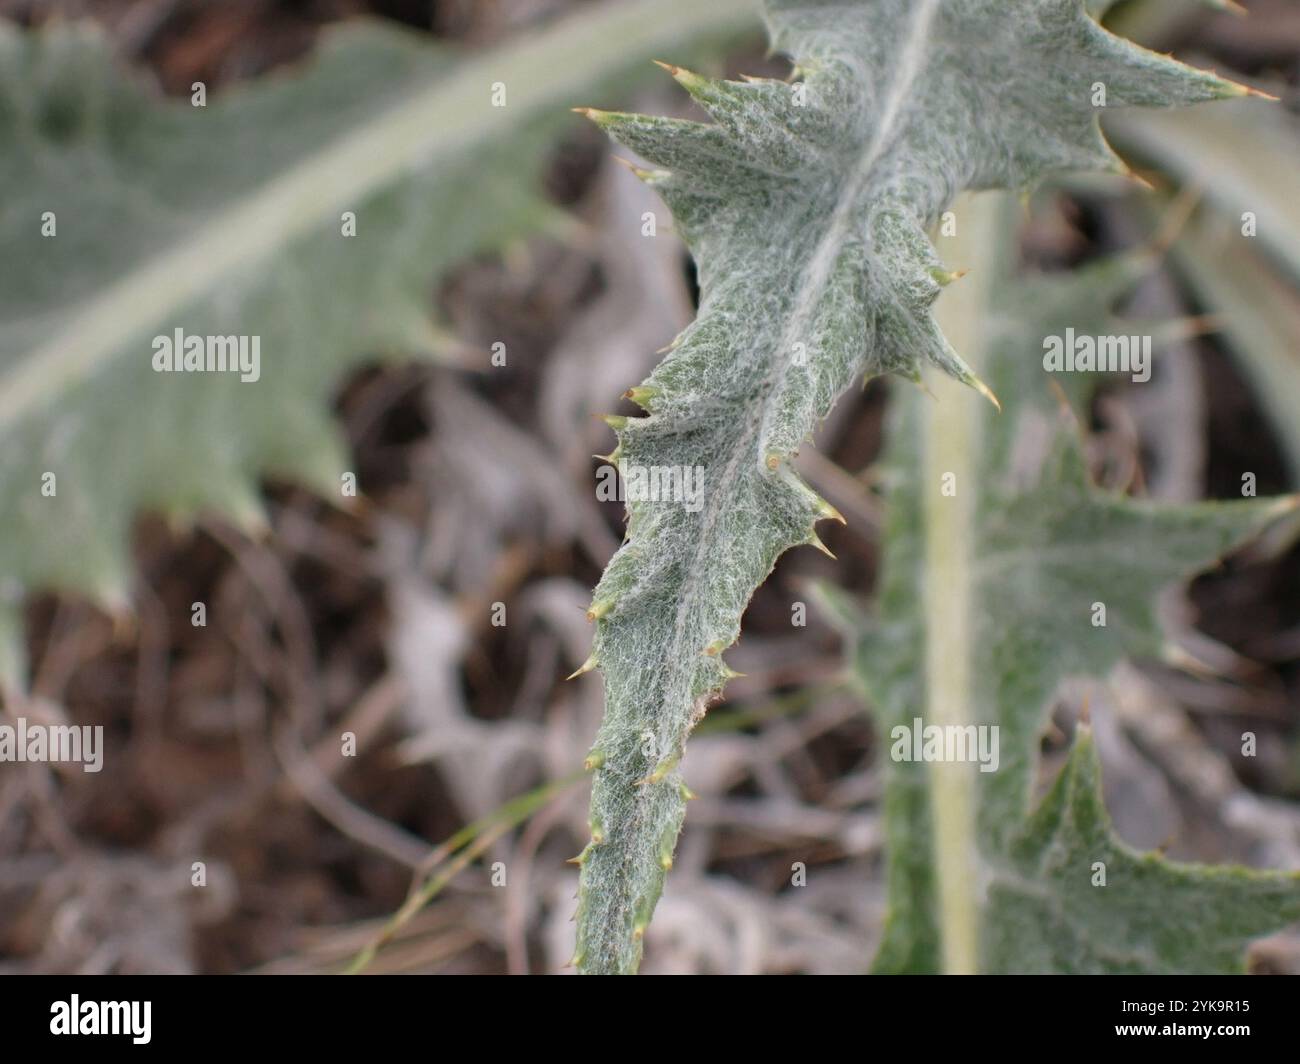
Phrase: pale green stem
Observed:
(546, 71)
(950, 427)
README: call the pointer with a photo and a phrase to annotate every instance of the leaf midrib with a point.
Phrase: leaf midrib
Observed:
(806, 300)
(550, 69)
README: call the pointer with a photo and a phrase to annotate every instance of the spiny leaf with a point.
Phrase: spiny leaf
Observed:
(989, 599)
(806, 207)
(1260, 310)
(227, 220)
(1045, 913)
(1243, 155)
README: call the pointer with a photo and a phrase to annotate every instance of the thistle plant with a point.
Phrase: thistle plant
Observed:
(814, 208)
(808, 207)
(1023, 575)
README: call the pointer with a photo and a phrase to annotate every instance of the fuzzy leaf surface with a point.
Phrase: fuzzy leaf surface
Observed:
(806, 207)
(1038, 548)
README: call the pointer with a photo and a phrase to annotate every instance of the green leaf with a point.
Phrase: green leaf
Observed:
(989, 599)
(1243, 155)
(227, 220)
(1244, 264)
(806, 207)
(1260, 312)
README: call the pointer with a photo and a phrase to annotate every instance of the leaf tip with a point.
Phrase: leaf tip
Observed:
(687, 79)
(943, 277)
(1234, 90)
(595, 114)
(583, 669)
(814, 540)
(642, 394)
(648, 176)
(1085, 714)
(828, 512)
(985, 391)
(1138, 179)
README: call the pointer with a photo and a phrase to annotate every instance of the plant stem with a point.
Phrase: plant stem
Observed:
(950, 429)
(475, 838)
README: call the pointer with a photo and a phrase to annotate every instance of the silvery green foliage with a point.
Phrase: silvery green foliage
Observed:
(1045, 545)
(133, 181)
(806, 207)
(228, 220)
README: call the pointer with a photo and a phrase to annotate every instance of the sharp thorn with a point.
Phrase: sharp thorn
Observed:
(582, 669)
(828, 512)
(985, 391)
(814, 540)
